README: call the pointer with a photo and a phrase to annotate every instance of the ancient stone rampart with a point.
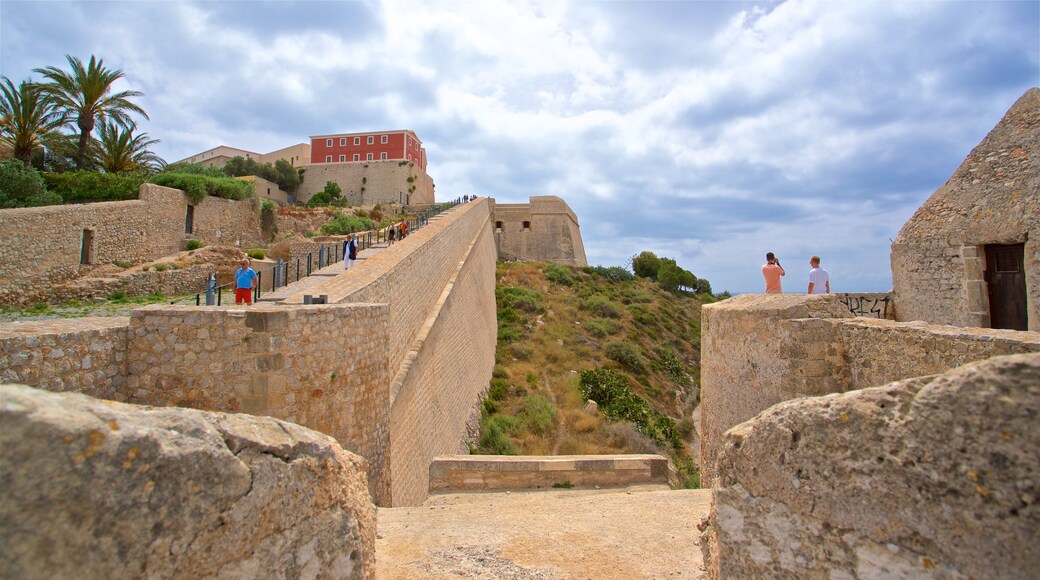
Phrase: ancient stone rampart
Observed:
(96, 489)
(451, 474)
(44, 246)
(934, 477)
(544, 230)
(759, 350)
(370, 182)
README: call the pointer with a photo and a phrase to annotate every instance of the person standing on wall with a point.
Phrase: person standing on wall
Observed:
(771, 271)
(349, 252)
(819, 280)
(245, 281)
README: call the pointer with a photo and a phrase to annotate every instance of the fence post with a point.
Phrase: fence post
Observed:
(279, 270)
(211, 290)
(259, 281)
(297, 268)
(321, 256)
(310, 255)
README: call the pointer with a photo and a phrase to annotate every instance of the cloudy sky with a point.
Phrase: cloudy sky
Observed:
(710, 132)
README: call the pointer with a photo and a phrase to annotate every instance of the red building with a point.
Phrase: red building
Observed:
(361, 147)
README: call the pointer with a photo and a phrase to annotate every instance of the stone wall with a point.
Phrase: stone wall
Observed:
(498, 472)
(96, 489)
(545, 230)
(323, 367)
(84, 355)
(759, 350)
(383, 182)
(41, 246)
(934, 477)
(939, 260)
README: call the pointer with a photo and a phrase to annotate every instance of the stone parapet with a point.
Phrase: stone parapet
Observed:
(97, 489)
(497, 472)
(931, 477)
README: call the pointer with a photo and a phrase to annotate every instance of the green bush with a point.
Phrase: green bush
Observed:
(498, 390)
(494, 435)
(602, 306)
(646, 265)
(673, 367)
(519, 299)
(193, 245)
(507, 334)
(613, 273)
(256, 254)
(500, 372)
(538, 414)
(22, 186)
(343, 224)
(559, 274)
(122, 264)
(198, 186)
(616, 399)
(90, 186)
(602, 327)
(162, 267)
(627, 355)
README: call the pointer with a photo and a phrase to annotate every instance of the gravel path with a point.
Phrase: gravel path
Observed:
(646, 532)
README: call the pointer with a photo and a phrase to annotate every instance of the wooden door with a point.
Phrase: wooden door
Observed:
(1006, 282)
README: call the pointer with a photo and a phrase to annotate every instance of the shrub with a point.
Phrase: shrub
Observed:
(498, 390)
(494, 435)
(614, 397)
(602, 306)
(90, 186)
(256, 254)
(117, 296)
(343, 224)
(613, 273)
(538, 414)
(507, 334)
(559, 274)
(500, 372)
(161, 267)
(601, 328)
(22, 186)
(646, 265)
(673, 367)
(627, 355)
(193, 245)
(122, 264)
(197, 186)
(519, 299)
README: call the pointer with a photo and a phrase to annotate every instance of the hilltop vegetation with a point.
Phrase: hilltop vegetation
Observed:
(567, 335)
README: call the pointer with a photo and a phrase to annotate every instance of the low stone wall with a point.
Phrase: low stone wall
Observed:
(96, 489)
(935, 477)
(758, 350)
(370, 182)
(323, 367)
(497, 472)
(84, 355)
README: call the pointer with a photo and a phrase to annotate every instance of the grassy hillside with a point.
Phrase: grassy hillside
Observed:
(567, 335)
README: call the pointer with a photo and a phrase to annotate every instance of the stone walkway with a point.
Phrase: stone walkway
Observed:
(637, 532)
(320, 277)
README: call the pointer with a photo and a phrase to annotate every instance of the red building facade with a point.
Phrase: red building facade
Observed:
(375, 146)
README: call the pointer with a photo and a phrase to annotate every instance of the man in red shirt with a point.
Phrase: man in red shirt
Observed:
(771, 271)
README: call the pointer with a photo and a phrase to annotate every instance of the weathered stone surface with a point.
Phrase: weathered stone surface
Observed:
(926, 477)
(97, 489)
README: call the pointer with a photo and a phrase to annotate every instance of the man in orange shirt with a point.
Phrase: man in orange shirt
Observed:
(771, 271)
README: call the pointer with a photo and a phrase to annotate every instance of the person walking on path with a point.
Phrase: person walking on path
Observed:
(349, 252)
(819, 280)
(391, 234)
(245, 281)
(404, 229)
(772, 271)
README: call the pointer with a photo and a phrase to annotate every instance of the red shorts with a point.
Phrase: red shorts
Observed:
(243, 295)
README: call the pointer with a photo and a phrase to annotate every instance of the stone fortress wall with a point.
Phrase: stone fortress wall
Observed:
(370, 182)
(544, 230)
(42, 246)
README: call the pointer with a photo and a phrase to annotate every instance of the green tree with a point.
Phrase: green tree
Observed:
(669, 276)
(288, 178)
(22, 186)
(645, 265)
(26, 116)
(84, 94)
(119, 150)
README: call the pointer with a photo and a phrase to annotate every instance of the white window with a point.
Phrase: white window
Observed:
(328, 159)
(342, 141)
(371, 139)
(370, 157)
(357, 140)
(357, 157)
(342, 158)
(384, 139)
(382, 155)
(328, 142)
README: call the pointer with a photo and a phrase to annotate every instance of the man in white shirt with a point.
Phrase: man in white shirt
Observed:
(819, 280)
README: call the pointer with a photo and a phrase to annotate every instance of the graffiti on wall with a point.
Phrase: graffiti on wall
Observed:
(869, 305)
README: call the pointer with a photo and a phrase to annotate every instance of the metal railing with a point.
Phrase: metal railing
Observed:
(328, 254)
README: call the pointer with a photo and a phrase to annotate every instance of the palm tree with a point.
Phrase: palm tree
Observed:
(84, 94)
(118, 149)
(25, 118)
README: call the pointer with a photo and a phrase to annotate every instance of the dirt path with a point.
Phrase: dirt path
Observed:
(647, 532)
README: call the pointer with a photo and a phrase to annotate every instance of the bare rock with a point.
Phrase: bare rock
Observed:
(927, 477)
(591, 407)
(98, 489)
